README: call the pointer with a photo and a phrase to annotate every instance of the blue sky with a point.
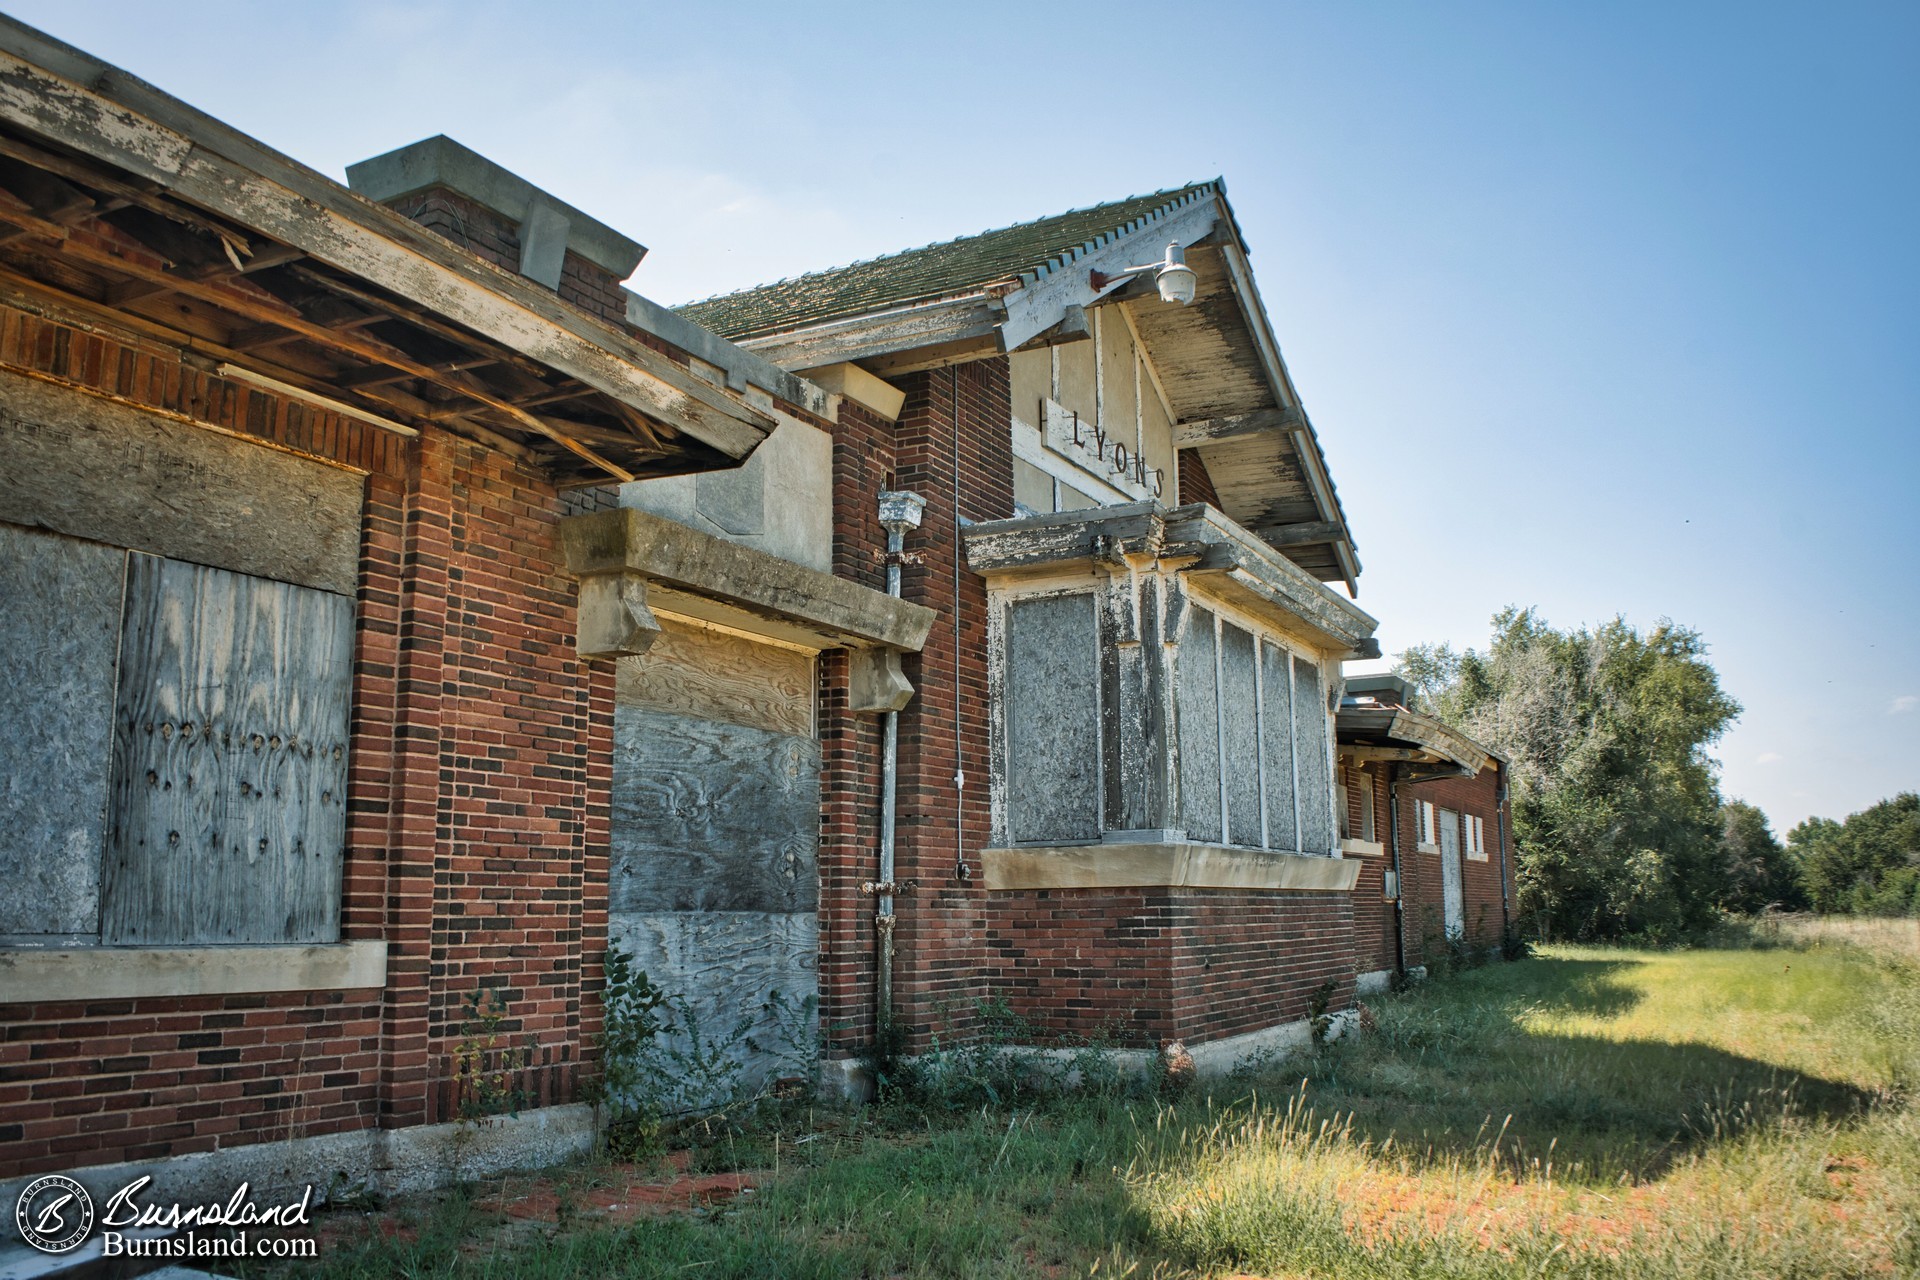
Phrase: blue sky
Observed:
(1606, 308)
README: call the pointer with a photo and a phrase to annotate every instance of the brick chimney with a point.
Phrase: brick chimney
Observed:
(462, 195)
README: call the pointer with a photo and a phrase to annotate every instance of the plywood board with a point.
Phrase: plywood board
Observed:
(1053, 720)
(1240, 737)
(227, 815)
(1199, 713)
(1314, 770)
(725, 966)
(1276, 754)
(109, 473)
(710, 816)
(713, 675)
(59, 641)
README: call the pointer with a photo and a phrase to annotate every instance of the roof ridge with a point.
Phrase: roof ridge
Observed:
(1190, 191)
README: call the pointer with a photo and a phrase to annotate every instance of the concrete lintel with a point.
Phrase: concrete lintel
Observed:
(439, 161)
(861, 387)
(124, 973)
(1155, 865)
(1196, 541)
(750, 583)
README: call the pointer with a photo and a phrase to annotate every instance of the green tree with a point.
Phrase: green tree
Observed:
(1616, 805)
(1755, 870)
(1867, 865)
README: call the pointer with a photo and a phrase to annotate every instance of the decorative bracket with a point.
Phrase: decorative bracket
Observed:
(613, 619)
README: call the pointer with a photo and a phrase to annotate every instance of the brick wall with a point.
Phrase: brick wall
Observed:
(477, 812)
(1421, 885)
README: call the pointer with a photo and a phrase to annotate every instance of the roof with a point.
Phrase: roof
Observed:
(124, 204)
(963, 265)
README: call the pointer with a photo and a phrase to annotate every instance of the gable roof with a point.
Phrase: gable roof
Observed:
(1013, 255)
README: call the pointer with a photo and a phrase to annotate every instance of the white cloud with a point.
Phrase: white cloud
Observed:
(1769, 757)
(1905, 702)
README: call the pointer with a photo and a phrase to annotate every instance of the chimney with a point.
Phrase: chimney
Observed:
(487, 210)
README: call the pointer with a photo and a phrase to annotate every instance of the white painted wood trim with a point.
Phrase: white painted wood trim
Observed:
(124, 973)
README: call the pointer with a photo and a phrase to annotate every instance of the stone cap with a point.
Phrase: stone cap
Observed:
(439, 161)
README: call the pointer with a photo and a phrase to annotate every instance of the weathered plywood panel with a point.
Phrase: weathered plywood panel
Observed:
(1276, 755)
(1240, 736)
(107, 472)
(59, 640)
(710, 816)
(1199, 713)
(1053, 720)
(1310, 747)
(725, 965)
(228, 809)
(711, 675)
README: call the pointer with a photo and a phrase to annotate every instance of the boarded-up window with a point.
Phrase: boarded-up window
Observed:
(59, 637)
(1310, 755)
(1053, 720)
(228, 804)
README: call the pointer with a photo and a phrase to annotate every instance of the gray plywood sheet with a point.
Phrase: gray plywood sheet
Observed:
(712, 675)
(59, 640)
(107, 472)
(1314, 771)
(1240, 736)
(1276, 755)
(709, 816)
(725, 965)
(228, 808)
(1053, 720)
(1199, 714)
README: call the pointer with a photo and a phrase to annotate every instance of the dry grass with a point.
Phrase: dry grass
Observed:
(1600, 1114)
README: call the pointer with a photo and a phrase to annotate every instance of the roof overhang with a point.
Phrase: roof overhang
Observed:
(1396, 735)
(118, 202)
(1217, 359)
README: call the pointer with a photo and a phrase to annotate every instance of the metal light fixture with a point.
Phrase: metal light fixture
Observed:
(1172, 276)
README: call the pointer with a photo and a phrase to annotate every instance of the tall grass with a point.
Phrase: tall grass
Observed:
(1589, 1113)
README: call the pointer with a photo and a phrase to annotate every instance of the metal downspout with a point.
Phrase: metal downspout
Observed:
(899, 512)
(1399, 879)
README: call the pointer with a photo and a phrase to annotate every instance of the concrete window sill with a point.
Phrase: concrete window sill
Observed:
(1367, 848)
(1164, 865)
(121, 973)
(1425, 847)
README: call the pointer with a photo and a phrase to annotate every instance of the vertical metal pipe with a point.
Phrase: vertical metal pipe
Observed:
(899, 512)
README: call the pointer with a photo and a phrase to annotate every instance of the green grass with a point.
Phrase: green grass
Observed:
(1587, 1113)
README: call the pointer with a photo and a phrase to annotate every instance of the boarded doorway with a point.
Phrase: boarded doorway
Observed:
(716, 818)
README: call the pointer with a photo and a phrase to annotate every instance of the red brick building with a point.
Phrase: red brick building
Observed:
(1426, 812)
(405, 613)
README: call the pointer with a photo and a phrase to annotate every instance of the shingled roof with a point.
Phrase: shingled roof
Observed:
(1010, 255)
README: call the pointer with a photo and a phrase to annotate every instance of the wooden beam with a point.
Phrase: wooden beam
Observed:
(908, 332)
(1401, 755)
(1300, 535)
(1195, 432)
(938, 356)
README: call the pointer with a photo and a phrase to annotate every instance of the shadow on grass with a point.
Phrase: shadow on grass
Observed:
(1454, 1073)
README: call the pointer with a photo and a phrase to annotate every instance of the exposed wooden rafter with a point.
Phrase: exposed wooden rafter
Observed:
(1196, 432)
